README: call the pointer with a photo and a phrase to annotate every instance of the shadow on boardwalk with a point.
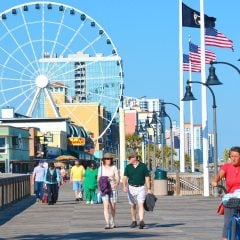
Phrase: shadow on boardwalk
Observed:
(10, 211)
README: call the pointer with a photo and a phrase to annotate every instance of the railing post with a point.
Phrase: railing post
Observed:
(177, 184)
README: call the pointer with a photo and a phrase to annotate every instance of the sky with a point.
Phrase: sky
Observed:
(146, 36)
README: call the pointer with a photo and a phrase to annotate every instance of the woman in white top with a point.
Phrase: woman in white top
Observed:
(109, 201)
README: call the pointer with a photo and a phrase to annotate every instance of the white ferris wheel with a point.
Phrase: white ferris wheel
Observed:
(54, 57)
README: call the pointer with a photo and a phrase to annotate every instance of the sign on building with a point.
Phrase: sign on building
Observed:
(76, 141)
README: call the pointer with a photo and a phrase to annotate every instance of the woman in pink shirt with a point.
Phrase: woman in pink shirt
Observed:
(231, 172)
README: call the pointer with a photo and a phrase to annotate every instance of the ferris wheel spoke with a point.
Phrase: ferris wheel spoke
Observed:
(34, 102)
(15, 88)
(9, 100)
(30, 39)
(14, 79)
(10, 56)
(70, 42)
(91, 43)
(4, 66)
(16, 42)
(52, 103)
(28, 96)
(43, 35)
(72, 39)
(57, 36)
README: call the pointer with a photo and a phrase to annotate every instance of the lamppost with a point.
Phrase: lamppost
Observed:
(142, 131)
(163, 114)
(189, 97)
(212, 77)
(175, 105)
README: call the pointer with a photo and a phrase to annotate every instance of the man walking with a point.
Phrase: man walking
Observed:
(38, 180)
(136, 175)
(76, 178)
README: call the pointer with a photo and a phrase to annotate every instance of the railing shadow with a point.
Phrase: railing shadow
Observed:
(11, 210)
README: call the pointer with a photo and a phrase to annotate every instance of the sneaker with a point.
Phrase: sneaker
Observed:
(133, 224)
(77, 199)
(141, 224)
(91, 202)
(113, 225)
(107, 226)
(87, 202)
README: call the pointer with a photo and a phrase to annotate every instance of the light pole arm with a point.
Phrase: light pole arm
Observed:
(226, 63)
(213, 95)
(172, 104)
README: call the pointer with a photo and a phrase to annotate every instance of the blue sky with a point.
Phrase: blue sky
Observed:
(146, 36)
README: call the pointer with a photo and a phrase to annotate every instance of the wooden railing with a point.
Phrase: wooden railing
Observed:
(13, 187)
(185, 183)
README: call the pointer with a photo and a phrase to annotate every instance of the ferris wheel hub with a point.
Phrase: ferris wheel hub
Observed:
(41, 81)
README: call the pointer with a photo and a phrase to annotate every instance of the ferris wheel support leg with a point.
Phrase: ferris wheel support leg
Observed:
(33, 103)
(52, 103)
(122, 145)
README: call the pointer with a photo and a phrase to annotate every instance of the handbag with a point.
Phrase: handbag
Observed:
(45, 197)
(220, 209)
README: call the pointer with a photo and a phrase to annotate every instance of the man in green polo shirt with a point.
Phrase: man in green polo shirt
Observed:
(136, 175)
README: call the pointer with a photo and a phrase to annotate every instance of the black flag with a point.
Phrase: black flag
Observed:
(191, 18)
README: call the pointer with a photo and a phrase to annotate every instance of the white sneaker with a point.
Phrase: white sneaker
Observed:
(92, 202)
(87, 202)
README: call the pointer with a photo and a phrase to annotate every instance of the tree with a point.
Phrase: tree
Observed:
(226, 155)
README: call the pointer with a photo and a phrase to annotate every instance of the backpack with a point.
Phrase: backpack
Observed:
(104, 185)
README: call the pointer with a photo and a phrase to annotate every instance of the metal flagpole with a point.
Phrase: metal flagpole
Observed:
(204, 105)
(181, 93)
(191, 120)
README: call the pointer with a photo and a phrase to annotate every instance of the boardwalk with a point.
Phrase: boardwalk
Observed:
(182, 218)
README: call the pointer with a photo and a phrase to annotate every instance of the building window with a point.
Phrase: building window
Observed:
(2, 145)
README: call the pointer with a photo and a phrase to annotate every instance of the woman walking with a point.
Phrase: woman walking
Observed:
(109, 170)
(90, 183)
(52, 182)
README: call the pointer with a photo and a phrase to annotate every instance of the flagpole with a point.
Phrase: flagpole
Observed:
(181, 93)
(204, 105)
(191, 120)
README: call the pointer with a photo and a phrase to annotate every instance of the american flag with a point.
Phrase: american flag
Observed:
(217, 39)
(193, 67)
(195, 54)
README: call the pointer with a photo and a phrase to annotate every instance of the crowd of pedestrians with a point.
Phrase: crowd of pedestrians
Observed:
(91, 181)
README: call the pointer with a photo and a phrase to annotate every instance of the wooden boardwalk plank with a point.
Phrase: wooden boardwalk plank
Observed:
(183, 218)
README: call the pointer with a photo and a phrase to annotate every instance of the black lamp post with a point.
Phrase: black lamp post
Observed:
(189, 97)
(163, 114)
(212, 77)
(154, 125)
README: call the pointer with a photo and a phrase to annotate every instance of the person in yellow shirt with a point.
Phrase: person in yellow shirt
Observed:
(76, 178)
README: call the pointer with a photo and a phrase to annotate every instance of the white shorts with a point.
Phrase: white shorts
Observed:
(136, 194)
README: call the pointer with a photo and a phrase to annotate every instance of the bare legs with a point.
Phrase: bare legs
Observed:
(134, 211)
(109, 212)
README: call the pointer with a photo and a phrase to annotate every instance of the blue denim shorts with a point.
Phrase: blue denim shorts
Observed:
(77, 186)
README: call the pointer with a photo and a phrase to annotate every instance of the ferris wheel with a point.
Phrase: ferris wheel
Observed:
(55, 61)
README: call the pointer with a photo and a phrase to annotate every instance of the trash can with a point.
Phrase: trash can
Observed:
(160, 182)
(160, 174)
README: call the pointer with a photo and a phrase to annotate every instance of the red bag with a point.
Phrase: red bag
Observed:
(221, 209)
(45, 197)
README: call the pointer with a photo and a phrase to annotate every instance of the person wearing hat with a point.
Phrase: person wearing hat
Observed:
(38, 180)
(136, 176)
(109, 170)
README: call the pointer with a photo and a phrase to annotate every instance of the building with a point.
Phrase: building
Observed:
(14, 148)
(88, 90)
(197, 141)
(48, 137)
